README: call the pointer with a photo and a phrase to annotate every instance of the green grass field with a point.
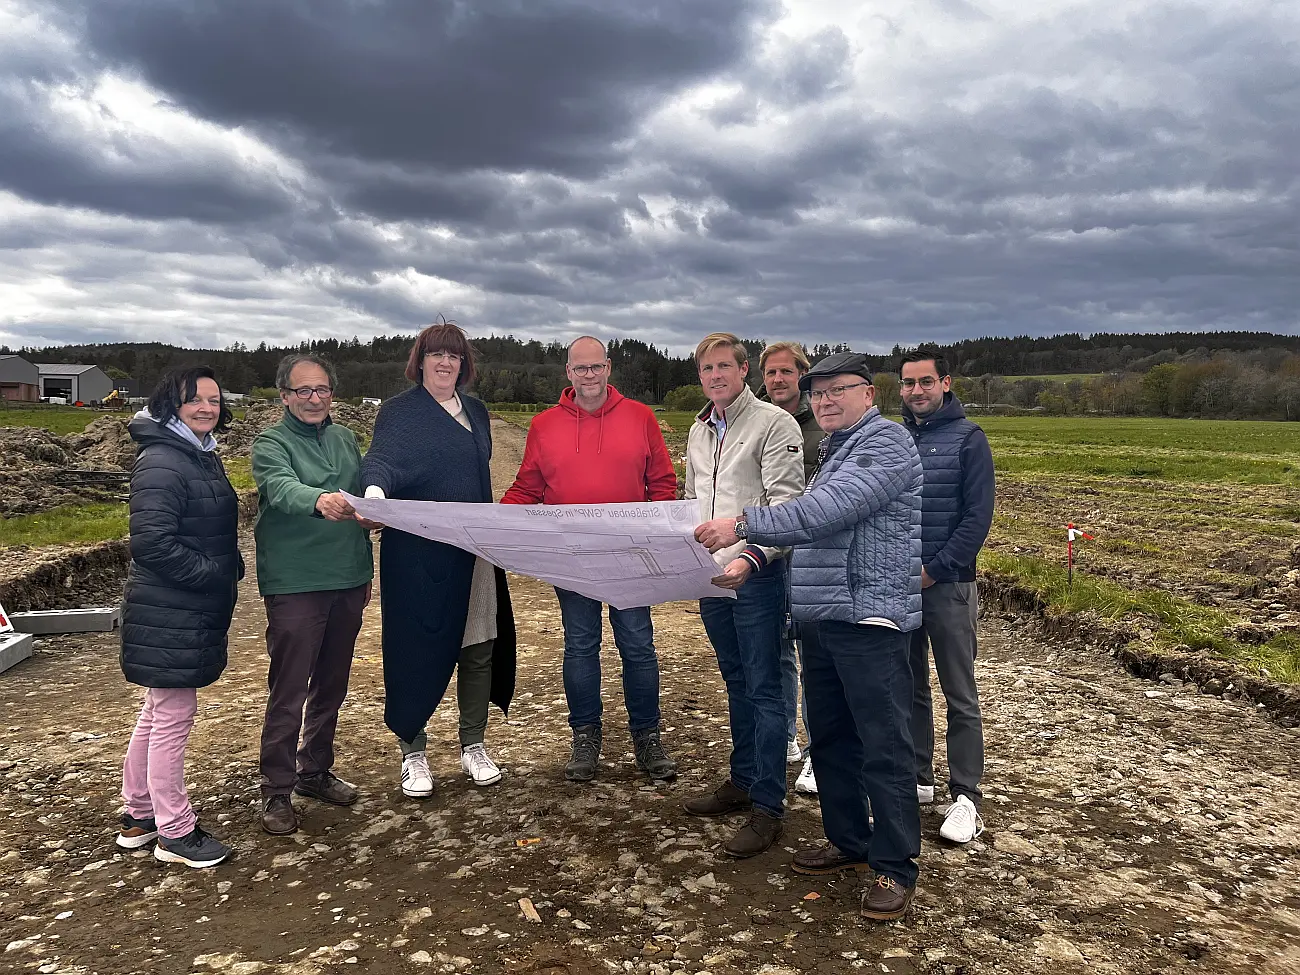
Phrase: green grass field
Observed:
(80, 524)
(1056, 377)
(62, 420)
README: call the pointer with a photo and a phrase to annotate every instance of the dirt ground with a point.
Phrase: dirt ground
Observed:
(1131, 827)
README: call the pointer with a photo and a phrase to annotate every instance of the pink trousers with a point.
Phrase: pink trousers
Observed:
(153, 776)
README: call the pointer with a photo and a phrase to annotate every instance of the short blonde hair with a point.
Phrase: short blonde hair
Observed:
(716, 340)
(794, 348)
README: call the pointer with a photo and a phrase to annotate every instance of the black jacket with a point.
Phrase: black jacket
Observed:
(185, 562)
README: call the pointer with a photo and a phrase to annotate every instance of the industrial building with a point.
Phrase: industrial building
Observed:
(74, 383)
(20, 381)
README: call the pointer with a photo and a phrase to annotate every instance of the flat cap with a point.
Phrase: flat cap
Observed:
(853, 363)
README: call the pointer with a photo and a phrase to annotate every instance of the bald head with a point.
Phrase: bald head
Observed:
(588, 346)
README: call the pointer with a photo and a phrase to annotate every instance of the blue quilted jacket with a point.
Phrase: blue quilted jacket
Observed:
(957, 499)
(856, 530)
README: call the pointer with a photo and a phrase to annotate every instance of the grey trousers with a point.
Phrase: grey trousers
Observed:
(473, 688)
(948, 621)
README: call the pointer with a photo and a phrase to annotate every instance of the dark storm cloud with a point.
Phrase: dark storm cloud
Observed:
(529, 84)
(872, 179)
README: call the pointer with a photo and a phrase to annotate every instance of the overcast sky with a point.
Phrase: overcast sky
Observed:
(212, 171)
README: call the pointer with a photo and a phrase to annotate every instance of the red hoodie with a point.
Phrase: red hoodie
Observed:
(574, 457)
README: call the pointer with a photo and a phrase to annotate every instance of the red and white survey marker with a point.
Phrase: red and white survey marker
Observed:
(1072, 533)
(6, 625)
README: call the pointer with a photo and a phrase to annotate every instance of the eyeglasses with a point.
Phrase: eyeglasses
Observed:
(445, 356)
(925, 382)
(595, 370)
(833, 392)
(305, 392)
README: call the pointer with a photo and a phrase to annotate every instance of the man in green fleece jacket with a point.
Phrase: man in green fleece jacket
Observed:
(314, 571)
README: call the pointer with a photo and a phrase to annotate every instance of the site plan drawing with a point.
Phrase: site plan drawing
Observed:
(626, 555)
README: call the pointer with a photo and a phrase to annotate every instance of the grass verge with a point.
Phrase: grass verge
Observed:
(1173, 621)
(72, 524)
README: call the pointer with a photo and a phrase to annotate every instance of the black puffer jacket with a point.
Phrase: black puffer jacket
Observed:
(185, 562)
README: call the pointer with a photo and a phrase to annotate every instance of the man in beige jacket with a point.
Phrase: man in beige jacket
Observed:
(742, 451)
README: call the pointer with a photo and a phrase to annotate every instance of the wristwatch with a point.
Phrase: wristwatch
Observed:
(742, 529)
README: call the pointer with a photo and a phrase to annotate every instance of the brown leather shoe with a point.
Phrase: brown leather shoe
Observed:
(824, 859)
(327, 787)
(278, 817)
(723, 800)
(886, 899)
(755, 836)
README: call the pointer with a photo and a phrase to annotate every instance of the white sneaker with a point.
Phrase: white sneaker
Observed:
(962, 822)
(417, 780)
(925, 794)
(474, 760)
(793, 753)
(807, 782)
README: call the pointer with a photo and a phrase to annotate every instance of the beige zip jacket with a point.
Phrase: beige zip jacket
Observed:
(757, 461)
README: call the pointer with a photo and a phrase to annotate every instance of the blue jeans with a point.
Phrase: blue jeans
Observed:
(791, 653)
(746, 634)
(634, 637)
(859, 685)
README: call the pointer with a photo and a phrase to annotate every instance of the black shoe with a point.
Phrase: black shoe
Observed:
(195, 849)
(586, 754)
(136, 833)
(327, 787)
(651, 757)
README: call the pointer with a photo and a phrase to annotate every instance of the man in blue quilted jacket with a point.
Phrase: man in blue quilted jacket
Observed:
(855, 579)
(956, 511)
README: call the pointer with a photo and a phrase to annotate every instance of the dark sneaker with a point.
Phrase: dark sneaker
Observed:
(587, 741)
(824, 859)
(723, 800)
(755, 836)
(278, 817)
(196, 849)
(136, 833)
(886, 899)
(651, 757)
(327, 787)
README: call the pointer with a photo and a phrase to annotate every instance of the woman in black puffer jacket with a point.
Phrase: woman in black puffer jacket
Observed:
(180, 597)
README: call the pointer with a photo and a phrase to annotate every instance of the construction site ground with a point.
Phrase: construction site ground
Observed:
(1132, 826)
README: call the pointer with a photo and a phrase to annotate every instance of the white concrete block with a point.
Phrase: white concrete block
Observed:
(96, 619)
(14, 649)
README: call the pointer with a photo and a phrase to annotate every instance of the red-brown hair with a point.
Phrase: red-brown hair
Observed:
(443, 336)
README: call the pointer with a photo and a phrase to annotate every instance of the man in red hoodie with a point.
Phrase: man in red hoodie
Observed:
(597, 447)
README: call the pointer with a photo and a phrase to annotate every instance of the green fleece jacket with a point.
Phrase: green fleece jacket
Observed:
(294, 463)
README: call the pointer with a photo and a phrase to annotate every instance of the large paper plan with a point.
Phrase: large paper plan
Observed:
(626, 555)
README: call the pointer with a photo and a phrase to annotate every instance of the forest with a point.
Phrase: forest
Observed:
(1188, 374)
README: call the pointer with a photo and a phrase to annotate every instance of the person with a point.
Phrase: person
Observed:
(957, 510)
(180, 597)
(597, 447)
(782, 365)
(856, 585)
(442, 608)
(314, 571)
(742, 451)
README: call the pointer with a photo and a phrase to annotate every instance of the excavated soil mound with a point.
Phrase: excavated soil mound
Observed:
(40, 470)
(238, 440)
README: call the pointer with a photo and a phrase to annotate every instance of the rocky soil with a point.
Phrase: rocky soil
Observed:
(40, 470)
(238, 440)
(1131, 827)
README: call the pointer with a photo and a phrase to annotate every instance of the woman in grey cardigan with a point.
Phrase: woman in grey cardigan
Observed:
(442, 608)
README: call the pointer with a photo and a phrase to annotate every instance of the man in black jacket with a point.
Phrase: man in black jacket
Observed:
(956, 512)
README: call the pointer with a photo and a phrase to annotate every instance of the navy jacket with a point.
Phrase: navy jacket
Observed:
(856, 530)
(421, 453)
(957, 497)
(185, 562)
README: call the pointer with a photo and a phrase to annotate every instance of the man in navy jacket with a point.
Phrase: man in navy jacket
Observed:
(956, 512)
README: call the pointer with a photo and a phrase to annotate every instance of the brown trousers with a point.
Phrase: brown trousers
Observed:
(310, 637)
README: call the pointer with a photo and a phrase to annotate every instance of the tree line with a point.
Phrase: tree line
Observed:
(1228, 374)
